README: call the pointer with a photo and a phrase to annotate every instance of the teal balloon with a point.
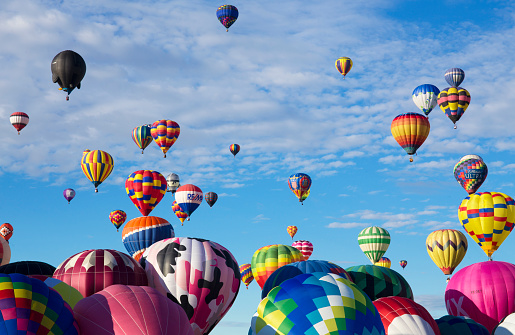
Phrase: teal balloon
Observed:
(451, 325)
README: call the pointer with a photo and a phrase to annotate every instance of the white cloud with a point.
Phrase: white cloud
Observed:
(346, 225)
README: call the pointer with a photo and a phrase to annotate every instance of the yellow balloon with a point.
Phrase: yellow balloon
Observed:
(488, 217)
(446, 247)
(384, 262)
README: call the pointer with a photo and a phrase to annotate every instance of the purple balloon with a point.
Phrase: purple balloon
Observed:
(484, 292)
(69, 194)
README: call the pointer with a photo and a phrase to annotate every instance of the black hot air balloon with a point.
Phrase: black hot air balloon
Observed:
(68, 69)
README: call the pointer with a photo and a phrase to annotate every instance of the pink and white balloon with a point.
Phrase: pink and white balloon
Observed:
(201, 276)
(484, 292)
(305, 247)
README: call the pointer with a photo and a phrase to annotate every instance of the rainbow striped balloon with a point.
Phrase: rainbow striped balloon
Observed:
(246, 274)
(97, 165)
(410, 130)
(165, 133)
(271, 257)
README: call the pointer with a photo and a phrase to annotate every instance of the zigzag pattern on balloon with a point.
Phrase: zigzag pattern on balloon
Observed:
(446, 245)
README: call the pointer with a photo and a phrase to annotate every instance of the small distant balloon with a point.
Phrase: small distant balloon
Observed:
(211, 198)
(454, 101)
(292, 230)
(178, 212)
(343, 65)
(141, 136)
(470, 172)
(6, 230)
(300, 184)
(227, 15)
(454, 76)
(189, 197)
(173, 182)
(165, 133)
(19, 120)
(384, 262)
(235, 148)
(97, 165)
(410, 130)
(425, 97)
(69, 194)
(246, 274)
(117, 218)
(403, 264)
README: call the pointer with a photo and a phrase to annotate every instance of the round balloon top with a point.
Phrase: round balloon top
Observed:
(488, 217)
(68, 69)
(19, 120)
(384, 261)
(227, 15)
(451, 325)
(454, 76)
(6, 230)
(29, 268)
(140, 233)
(446, 247)
(343, 65)
(483, 292)
(173, 182)
(466, 157)
(69, 194)
(378, 281)
(374, 242)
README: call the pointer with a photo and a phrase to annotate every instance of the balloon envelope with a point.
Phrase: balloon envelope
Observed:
(135, 310)
(145, 188)
(5, 252)
(269, 258)
(454, 76)
(488, 217)
(454, 101)
(28, 268)
(117, 218)
(506, 326)
(246, 274)
(178, 212)
(470, 173)
(211, 198)
(305, 247)
(446, 247)
(6, 231)
(93, 270)
(140, 233)
(165, 133)
(425, 97)
(378, 281)
(374, 242)
(318, 303)
(343, 65)
(292, 230)
(227, 15)
(451, 325)
(234, 148)
(69, 194)
(404, 316)
(68, 69)
(19, 120)
(189, 197)
(410, 130)
(484, 292)
(200, 275)
(299, 184)
(141, 136)
(403, 263)
(385, 262)
(97, 165)
(173, 182)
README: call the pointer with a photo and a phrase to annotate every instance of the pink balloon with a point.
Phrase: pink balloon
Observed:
(484, 292)
(135, 310)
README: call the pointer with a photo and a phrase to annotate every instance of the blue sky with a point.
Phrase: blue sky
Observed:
(270, 85)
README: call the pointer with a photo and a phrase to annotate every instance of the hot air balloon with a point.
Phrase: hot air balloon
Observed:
(410, 130)
(403, 264)
(343, 65)
(145, 188)
(454, 101)
(318, 303)
(5, 252)
(488, 217)
(483, 292)
(454, 76)
(446, 247)
(292, 230)
(374, 242)
(305, 247)
(227, 15)
(292, 270)
(68, 69)
(173, 182)
(234, 148)
(121, 309)
(426, 97)
(470, 173)
(141, 136)
(6, 231)
(506, 326)
(211, 198)
(384, 261)
(28, 268)
(378, 281)
(189, 197)
(246, 274)
(299, 184)
(31, 307)
(140, 233)
(200, 275)
(91, 271)
(117, 218)
(97, 165)
(165, 133)
(404, 316)
(178, 212)
(451, 325)
(271, 257)
(69, 194)
(19, 120)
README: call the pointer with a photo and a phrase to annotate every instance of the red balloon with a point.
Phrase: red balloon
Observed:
(91, 271)
(136, 310)
(484, 292)
(6, 231)
(404, 316)
(145, 188)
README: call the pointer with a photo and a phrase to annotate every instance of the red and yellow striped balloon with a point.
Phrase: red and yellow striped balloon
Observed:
(246, 274)
(292, 230)
(97, 165)
(165, 133)
(410, 130)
